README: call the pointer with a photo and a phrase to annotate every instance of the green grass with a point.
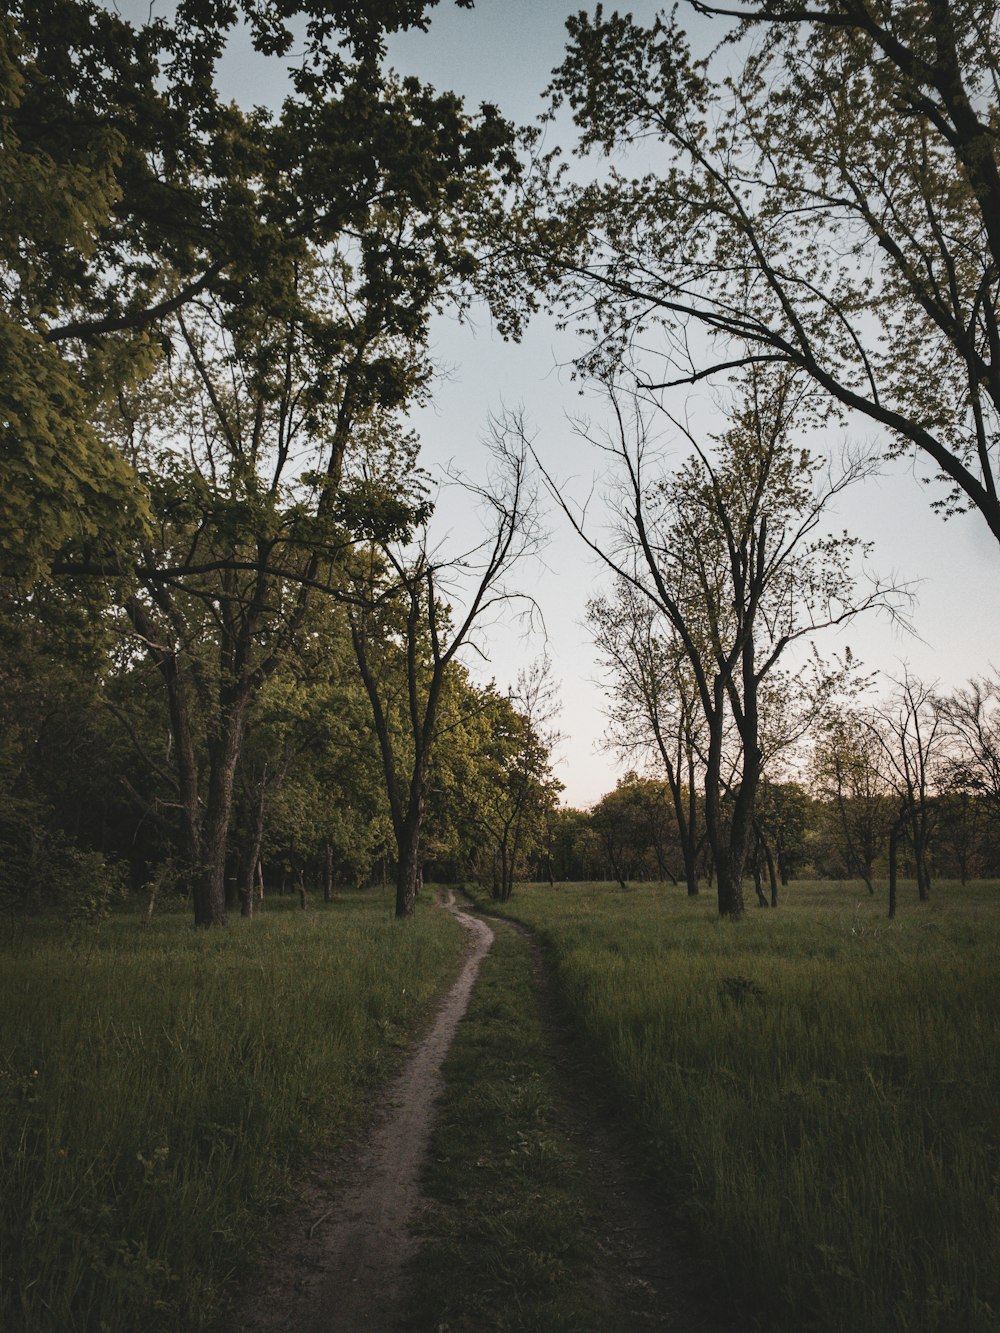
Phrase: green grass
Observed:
(820, 1086)
(507, 1243)
(158, 1086)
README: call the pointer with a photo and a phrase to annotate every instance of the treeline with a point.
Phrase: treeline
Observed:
(230, 646)
(851, 788)
(92, 798)
(220, 592)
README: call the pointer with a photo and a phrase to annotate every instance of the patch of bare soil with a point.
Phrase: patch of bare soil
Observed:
(339, 1266)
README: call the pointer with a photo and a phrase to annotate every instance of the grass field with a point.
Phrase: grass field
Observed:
(157, 1087)
(820, 1087)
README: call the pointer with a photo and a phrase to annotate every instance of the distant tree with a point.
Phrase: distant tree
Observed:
(971, 716)
(847, 773)
(620, 821)
(515, 789)
(783, 812)
(655, 711)
(907, 728)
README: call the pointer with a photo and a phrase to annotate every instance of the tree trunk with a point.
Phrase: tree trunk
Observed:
(328, 873)
(893, 840)
(758, 884)
(408, 866)
(210, 884)
(771, 872)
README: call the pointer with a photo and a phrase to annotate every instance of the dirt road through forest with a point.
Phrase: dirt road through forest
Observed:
(343, 1273)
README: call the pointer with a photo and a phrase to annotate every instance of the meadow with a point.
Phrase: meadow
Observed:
(816, 1087)
(159, 1087)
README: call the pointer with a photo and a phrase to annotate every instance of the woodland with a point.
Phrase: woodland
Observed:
(234, 661)
(248, 717)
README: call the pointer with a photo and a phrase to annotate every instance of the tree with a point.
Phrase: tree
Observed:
(729, 549)
(656, 709)
(406, 641)
(972, 718)
(515, 789)
(783, 810)
(621, 821)
(848, 774)
(907, 728)
(131, 188)
(832, 206)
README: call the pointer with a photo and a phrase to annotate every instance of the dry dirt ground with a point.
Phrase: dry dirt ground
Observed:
(339, 1257)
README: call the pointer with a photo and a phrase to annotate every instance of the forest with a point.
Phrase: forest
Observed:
(257, 766)
(236, 655)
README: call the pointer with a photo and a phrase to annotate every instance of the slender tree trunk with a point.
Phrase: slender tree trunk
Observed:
(328, 873)
(918, 826)
(251, 859)
(210, 884)
(893, 846)
(771, 873)
(758, 883)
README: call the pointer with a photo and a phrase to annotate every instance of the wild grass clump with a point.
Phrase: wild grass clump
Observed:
(157, 1086)
(821, 1087)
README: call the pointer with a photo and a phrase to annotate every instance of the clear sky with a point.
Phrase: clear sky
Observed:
(503, 52)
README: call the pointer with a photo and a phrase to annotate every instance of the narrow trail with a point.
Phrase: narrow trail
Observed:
(340, 1264)
(346, 1272)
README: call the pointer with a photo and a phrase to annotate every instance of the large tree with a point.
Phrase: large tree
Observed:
(730, 549)
(132, 187)
(825, 196)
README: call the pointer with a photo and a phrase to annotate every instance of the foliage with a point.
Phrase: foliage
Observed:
(826, 199)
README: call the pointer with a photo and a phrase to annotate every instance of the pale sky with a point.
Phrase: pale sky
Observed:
(503, 52)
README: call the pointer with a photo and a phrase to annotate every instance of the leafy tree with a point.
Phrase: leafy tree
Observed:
(832, 206)
(972, 718)
(406, 642)
(133, 189)
(784, 810)
(620, 819)
(907, 728)
(730, 551)
(847, 773)
(656, 710)
(515, 787)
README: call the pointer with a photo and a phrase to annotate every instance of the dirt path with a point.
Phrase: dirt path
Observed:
(343, 1271)
(340, 1264)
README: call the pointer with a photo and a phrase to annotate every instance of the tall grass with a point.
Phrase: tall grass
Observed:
(821, 1087)
(157, 1086)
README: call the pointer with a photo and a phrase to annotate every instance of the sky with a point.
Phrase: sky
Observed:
(503, 52)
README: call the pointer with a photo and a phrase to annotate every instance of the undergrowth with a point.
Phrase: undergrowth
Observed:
(158, 1085)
